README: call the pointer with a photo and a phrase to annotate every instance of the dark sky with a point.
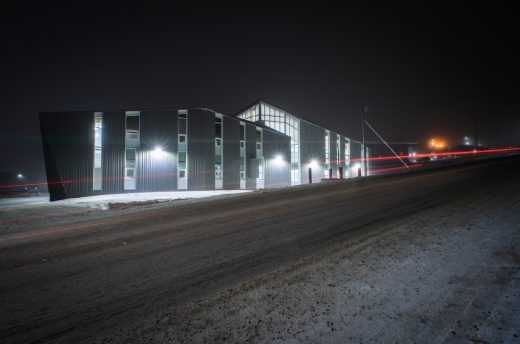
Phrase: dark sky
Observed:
(424, 68)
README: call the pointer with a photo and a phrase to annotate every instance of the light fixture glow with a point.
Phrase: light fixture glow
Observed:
(278, 159)
(158, 149)
(313, 164)
(19, 176)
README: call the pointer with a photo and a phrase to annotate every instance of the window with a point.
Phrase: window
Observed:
(130, 157)
(182, 125)
(182, 149)
(98, 172)
(242, 152)
(327, 154)
(261, 171)
(218, 129)
(130, 165)
(218, 151)
(132, 142)
(132, 122)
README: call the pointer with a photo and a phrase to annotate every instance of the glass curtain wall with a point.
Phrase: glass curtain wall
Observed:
(283, 122)
(252, 114)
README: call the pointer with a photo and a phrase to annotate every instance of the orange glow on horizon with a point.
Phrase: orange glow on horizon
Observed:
(437, 144)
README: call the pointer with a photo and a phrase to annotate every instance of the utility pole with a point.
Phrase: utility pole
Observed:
(363, 135)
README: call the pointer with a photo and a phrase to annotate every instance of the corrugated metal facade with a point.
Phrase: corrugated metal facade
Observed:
(231, 156)
(201, 150)
(312, 148)
(250, 154)
(68, 146)
(355, 155)
(157, 171)
(277, 173)
(68, 140)
(113, 152)
(342, 154)
(333, 154)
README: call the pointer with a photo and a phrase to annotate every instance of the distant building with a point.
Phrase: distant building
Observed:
(104, 152)
(405, 150)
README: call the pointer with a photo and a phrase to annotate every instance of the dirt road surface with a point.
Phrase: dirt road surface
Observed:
(424, 257)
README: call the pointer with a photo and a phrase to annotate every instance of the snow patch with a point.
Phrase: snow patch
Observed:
(135, 199)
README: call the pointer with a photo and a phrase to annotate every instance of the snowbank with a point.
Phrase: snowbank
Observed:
(133, 199)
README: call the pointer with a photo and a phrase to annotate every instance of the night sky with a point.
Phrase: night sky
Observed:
(423, 69)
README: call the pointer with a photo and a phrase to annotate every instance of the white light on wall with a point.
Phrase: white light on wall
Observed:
(278, 159)
(313, 164)
(158, 152)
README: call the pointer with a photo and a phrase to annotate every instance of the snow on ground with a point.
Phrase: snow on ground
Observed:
(115, 200)
(11, 202)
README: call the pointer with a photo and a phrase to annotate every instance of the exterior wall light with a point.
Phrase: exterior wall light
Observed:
(313, 164)
(278, 159)
(158, 152)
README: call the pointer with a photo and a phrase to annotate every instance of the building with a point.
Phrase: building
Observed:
(405, 150)
(311, 145)
(104, 152)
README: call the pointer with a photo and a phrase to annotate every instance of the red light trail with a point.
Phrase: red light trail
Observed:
(429, 155)
(381, 158)
(393, 169)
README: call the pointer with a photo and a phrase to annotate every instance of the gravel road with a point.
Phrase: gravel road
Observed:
(430, 256)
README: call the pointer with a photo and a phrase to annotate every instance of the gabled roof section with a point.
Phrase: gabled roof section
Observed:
(260, 101)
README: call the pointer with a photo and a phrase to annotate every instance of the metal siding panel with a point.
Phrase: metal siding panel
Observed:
(312, 147)
(332, 153)
(250, 141)
(157, 171)
(276, 174)
(342, 152)
(250, 153)
(113, 152)
(231, 157)
(201, 150)
(48, 131)
(68, 140)
(355, 155)
(355, 150)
